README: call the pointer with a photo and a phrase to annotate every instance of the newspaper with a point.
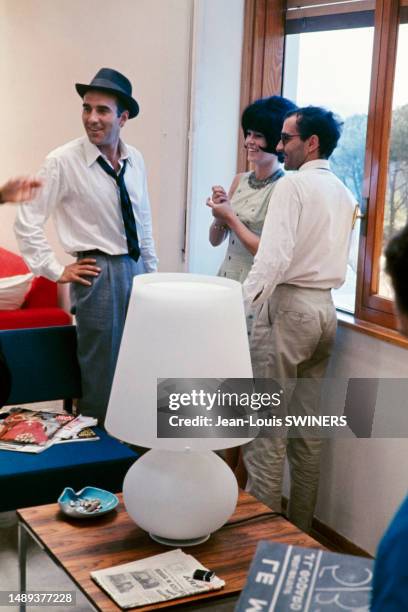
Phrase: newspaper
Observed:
(159, 578)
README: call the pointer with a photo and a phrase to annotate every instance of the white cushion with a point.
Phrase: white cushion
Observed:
(13, 290)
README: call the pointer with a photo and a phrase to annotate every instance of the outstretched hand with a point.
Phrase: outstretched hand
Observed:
(75, 272)
(20, 189)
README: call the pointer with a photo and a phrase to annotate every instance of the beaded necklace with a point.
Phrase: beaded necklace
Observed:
(255, 183)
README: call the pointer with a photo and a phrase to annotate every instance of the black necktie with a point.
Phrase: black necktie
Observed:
(126, 206)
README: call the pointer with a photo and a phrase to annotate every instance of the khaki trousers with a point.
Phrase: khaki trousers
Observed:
(291, 339)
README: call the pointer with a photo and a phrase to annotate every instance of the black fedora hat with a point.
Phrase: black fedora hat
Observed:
(112, 81)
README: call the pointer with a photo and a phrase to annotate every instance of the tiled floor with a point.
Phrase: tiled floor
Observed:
(42, 573)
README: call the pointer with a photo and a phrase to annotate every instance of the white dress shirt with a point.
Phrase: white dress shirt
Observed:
(85, 203)
(306, 234)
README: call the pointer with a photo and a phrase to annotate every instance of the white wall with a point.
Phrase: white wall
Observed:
(363, 480)
(46, 46)
(218, 31)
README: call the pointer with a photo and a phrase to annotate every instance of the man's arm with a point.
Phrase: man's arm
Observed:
(30, 222)
(33, 244)
(276, 246)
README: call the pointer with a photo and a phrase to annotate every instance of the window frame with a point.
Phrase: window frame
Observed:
(262, 75)
(262, 57)
(369, 305)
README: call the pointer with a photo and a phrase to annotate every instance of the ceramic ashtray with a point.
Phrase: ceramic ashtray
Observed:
(87, 502)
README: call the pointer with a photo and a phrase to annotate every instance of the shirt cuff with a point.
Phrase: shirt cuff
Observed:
(54, 272)
(150, 263)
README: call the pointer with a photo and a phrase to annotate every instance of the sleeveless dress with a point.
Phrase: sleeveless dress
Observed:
(250, 205)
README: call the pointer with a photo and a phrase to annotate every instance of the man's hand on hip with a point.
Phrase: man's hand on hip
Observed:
(75, 272)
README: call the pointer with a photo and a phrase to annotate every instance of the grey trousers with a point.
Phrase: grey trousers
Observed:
(100, 312)
(291, 339)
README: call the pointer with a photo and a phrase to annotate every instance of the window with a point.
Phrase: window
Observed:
(347, 55)
(396, 195)
(384, 190)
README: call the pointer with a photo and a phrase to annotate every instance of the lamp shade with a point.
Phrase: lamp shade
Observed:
(177, 326)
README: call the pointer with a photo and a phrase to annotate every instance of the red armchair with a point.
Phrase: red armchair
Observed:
(40, 307)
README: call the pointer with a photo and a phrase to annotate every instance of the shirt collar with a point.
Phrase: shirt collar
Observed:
(92, 152)
(125, 153)
(322, 164)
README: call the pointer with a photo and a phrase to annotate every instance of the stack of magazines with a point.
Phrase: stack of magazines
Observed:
(32, 431)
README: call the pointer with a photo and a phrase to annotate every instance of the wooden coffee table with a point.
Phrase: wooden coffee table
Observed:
(81, 546)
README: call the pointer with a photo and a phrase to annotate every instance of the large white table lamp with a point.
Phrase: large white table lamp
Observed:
(178, 326)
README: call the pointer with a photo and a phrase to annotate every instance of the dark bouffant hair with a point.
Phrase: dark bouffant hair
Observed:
(266, 116)
(396, 256)
(321, 122)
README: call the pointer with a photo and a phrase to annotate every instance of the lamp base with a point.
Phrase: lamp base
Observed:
(179, 543)
(180, 497)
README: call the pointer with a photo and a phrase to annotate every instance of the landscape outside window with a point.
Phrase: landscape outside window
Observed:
(396, 201)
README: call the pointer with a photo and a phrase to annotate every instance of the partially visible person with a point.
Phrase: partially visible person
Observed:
(240, 214)
(20, 189)
(396, 256)
(302, 255)
(390, 583)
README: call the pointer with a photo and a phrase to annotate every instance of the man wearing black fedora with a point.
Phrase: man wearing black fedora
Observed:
(95, 188)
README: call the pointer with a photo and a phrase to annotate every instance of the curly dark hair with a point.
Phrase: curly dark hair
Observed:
(396, 256)
(321, 122)
(266, 116)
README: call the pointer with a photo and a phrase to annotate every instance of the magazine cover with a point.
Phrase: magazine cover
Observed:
(284, 578)
(77, 430)
(23, 427)
(33, 431)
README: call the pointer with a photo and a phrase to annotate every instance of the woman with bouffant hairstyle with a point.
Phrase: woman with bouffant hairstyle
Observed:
(240, 214)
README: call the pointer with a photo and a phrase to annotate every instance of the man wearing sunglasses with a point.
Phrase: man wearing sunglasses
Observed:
(302, 255)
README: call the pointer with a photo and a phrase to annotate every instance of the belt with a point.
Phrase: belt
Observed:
(97, 252)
